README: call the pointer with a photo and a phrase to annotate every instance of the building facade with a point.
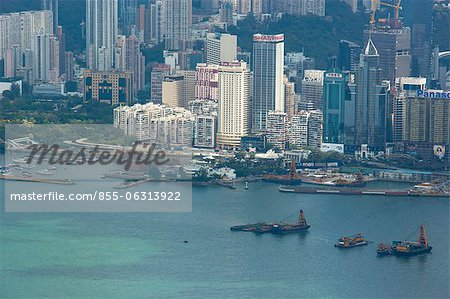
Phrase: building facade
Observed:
(113, 88)
(268, 88)
(234, 104)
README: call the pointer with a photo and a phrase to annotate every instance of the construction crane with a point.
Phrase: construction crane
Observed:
(397, 7)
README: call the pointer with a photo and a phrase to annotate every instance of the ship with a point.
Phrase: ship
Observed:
(292, 178)
(407, 248)
(281, 228)
(351, 241)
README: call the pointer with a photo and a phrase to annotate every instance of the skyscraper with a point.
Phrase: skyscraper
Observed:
(371, 101)
(234, 104)
(334, 96)
(101, 32)
(394, 47)
(268, 68)
(127, 16)
(348, 56)
(177, 23)
(312, 88)
(419, 16)
(220, 48)
(53, 6)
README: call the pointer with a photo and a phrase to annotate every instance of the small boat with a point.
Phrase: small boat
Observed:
(384, 249)
(351, 241)
(44, 172)
(52, 168)
(246, 185)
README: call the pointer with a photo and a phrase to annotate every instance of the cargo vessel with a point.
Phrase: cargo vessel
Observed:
(281, 228)
(278, 227)
(292, 178)
(407, 248)
(351, 241)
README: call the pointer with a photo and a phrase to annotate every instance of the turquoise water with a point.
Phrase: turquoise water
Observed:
(142, 255)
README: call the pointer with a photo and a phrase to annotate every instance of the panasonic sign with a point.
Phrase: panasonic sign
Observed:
(433, 94)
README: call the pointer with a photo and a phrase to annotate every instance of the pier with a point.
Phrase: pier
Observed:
(36, 180)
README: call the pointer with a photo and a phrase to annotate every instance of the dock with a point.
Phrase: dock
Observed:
(356, 191)
(36, 180)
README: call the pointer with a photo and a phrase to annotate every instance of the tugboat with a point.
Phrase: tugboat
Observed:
(246, 185)
(384, 249)
(281, 228)
(408, 248)
(351, 241)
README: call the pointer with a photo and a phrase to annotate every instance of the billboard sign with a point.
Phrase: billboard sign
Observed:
(332, 147)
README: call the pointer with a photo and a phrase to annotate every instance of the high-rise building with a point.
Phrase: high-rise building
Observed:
(205, 131)
(62, 49)
(427, 119)
(113, 87)
(277, 129)
(334, 97)
(154, 23)
(207, 82)
(173, 91)
(371, 101)
(188, 86)
(394, 47)
(54, 7)
(299, 7)
(157, 75)
(268, 68)
(290, 98)
(305, 129)
(220, 48)
(226, 12)
(312, 88)
(234, 104)
(45, 58)
(315, 129)
(418, 14)
(101, 32)
(348, 57)
(128, 11)
(135, 62)
(17, 29)
(69, 61)
(177, 23)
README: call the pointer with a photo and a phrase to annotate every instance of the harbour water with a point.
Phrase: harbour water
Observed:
(143, 255)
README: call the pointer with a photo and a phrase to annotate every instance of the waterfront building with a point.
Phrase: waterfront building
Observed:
(298, 129)
(207, 82)
(101, 32)
(268, 68)
(427, 120)
(205, 129)
(312, 88)
(108, 87)
(177, 20)
(348, 55)
(156, 123)
(220, 48)
(371, 101)
(334, 96)
(277, 129)
(234, 104)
